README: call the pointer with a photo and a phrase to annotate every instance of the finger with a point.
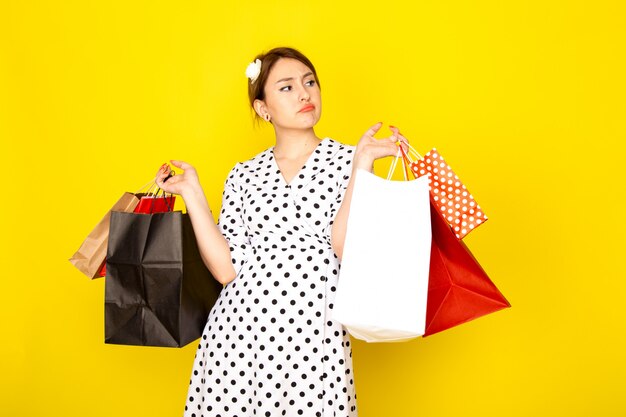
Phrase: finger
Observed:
(159, 180)
(166, 182)
(396, 132)
(397, 137)
(162, 172)
(180, 164)
(388, 143)
(161, 169)
(402, 138)
(170, 174)
(372, 130)
(393, 139)
(398, 141)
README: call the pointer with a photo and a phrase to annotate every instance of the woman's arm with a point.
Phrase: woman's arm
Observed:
(214, 248)
(367, 151)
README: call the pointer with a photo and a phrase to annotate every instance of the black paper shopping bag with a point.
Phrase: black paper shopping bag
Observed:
(158, 292)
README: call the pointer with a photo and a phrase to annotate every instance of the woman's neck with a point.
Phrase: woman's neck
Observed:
(293, 144)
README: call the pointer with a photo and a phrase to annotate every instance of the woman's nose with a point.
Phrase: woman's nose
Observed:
(304, 95)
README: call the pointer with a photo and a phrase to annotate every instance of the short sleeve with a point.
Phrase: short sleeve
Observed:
(231, 223)
(344, 172)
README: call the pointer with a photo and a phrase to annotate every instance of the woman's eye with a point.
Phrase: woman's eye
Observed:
(287, 86)
(310, 82)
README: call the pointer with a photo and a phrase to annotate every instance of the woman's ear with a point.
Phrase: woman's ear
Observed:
(260, 108)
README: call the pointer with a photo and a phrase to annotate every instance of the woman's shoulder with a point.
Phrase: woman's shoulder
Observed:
(340, 156)
(259, 165)
(339, 150)
(260, 158)
(253, 162)
(334, 149)
(340, 145)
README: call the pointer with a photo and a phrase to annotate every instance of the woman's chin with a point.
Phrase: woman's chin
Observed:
(300, 125)
(310, 121)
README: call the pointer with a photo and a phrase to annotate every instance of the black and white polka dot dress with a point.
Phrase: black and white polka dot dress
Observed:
(270, 346)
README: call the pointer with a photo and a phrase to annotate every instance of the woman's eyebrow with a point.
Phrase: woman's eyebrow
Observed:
(291, 78)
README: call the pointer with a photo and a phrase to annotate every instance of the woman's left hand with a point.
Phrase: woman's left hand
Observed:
(369, 148)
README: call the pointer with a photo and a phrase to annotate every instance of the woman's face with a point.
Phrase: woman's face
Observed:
(292, 96)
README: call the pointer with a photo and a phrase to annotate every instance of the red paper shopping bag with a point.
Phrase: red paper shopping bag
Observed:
(152, 203)
(449, 194)
(459, 290)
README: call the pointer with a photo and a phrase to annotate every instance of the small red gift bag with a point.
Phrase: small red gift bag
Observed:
(449, 194)
(149, 204)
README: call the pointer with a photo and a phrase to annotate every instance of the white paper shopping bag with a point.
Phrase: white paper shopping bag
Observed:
(383, 281)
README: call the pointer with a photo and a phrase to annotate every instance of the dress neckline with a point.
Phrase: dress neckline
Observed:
(304, 166)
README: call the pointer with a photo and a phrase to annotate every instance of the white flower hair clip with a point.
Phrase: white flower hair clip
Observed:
(253, 70)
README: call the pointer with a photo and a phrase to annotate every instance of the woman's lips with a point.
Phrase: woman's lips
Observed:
(307, 108)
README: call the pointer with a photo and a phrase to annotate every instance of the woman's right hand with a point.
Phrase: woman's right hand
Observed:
(368, 149)
(181, 184)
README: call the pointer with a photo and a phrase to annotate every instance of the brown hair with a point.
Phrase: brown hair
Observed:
(256, 90)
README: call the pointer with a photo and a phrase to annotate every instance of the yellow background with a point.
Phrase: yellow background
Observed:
(525, 99)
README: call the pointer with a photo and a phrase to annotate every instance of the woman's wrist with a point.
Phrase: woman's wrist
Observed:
(193, 195)
(364, 162)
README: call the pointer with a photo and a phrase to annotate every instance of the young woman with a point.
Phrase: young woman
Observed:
(270, 346)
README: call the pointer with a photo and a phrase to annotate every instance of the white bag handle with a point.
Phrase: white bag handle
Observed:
(392, 167)
(412, 156)
(414, 153)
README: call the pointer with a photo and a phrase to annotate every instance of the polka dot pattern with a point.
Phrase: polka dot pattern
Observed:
(449, 194)
(270, 347)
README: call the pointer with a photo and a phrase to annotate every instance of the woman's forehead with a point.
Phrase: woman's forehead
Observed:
(287, 68)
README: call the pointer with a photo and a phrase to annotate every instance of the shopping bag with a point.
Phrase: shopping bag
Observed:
(459, 290)
(90, 257)
(449, 194)
(158, 292)
(153, 203)
(149, 202)
(383, 281)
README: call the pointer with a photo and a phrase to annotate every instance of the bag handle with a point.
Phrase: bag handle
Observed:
(406, 162)
(408, 158)
(413, 153)
(392, 167)
(170, 207)
(151, 185)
